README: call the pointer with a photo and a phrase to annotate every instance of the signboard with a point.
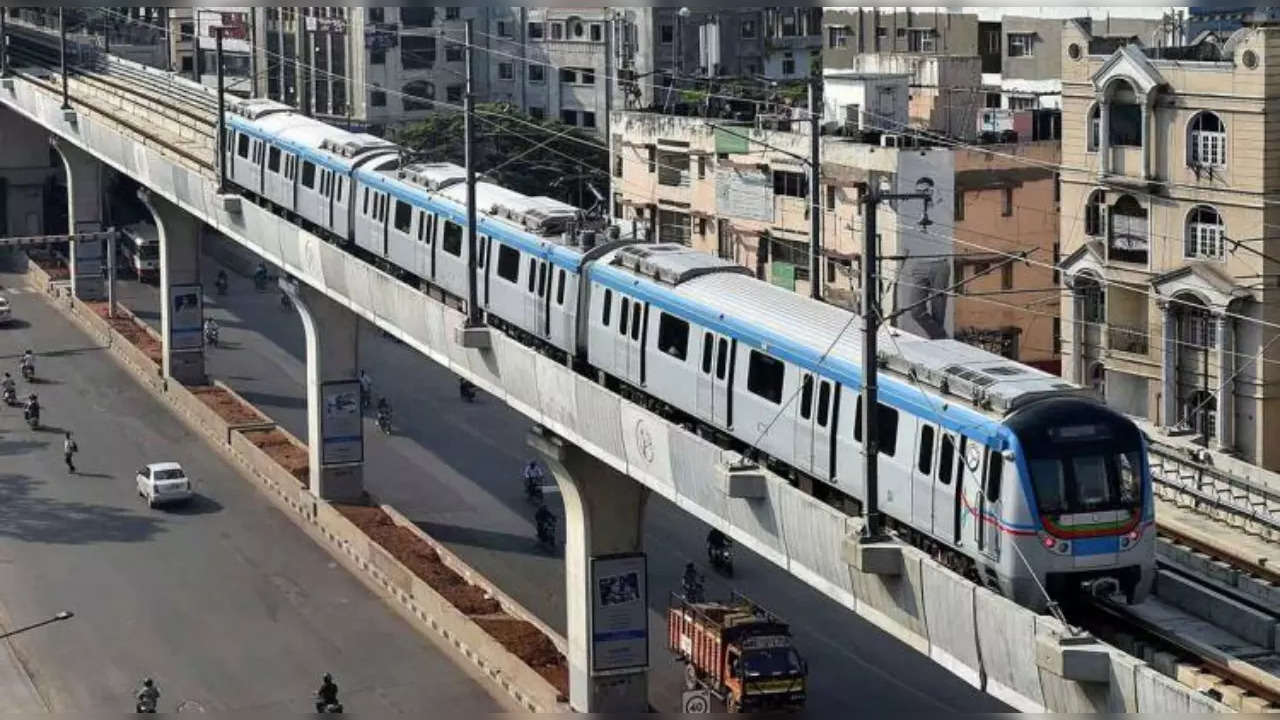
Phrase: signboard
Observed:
(745, 194)
(186, 317)
(381, 36)
(341, 423)
(619, 613)
(783, 275)
(732, 142)
(925, 243)
(695, 702)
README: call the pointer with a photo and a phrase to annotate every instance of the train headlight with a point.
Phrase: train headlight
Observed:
(1053, 544)
(1130, 539)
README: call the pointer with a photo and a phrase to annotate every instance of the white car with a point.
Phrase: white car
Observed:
(6, 310)
(163, 483)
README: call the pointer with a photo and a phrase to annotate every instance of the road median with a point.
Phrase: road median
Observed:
(433, 588)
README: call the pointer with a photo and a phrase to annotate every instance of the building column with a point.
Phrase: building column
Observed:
(1104, 133)
(181, 296)
(1226, 386)
(84, 215)
(1147, 136)
(604, 540)
(1076, 320)
(1169, 366)
(335, 419)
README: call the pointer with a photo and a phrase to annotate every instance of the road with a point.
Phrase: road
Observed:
(226, 603)
(455, 469)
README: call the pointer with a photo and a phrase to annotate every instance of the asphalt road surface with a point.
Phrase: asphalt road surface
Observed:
(455, 469)
(226, 603)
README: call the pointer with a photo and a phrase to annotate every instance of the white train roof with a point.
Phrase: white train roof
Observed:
(985, 379)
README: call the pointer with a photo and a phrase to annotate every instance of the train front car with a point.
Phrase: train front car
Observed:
(1091, 507)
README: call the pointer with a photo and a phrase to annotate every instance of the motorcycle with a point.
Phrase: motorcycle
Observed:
(721, 559)
(285, 303)
(10, 397)
(144, 706)
(33, 418)
(533, 490)
(366, 398)
(383, 422)
(221, 285)
(467, 390)
(324, 707)
(28, 372)
(694, 592)
(211, 336)
(547, 533)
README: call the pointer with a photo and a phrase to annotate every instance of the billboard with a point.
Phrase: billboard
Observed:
(619, 613)
(921, 265)
(186, 317)
(341, 423)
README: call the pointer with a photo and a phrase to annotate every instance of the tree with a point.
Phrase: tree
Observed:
(510, 153)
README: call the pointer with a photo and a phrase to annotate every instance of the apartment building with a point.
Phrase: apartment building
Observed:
(1167, 167)
(740, 192)
(1018, 48)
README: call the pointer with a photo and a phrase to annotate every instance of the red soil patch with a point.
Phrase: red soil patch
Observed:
(529, 644)
(287, 454)
(53, 268)
(124, 324)
(227, 406)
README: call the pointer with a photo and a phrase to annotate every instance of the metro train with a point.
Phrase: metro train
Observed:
(1023, 481)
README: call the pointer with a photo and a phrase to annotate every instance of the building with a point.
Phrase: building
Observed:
(1166, 171)
(940, 94)
(740, 192)
(1019, 49)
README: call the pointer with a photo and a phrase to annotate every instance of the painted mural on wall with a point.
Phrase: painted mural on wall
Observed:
(922, 263)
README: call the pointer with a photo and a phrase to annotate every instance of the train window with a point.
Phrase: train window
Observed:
(626, 317)
(635, 320)
(824, 403)
(483, 252)
(404, 217)
(452, 242)
(888, 418)
(806, 397)
(273, 160)
(365, 210)
(995, 473)
(608, 307)
(431, 228)
(857, 420)
(673, 336)
(708, 349)
(925, 462)
(946, 459)
(722, 362)
(342, 182)
(542, 280)
(422, 225)
(508, 264)
(308, 175)
(242, 146)
(560, 288)
(765, 376)
(533, 274)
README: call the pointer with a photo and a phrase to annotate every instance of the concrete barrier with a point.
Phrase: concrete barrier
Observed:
(1244, 622)
(952, 624)
(1007, 643)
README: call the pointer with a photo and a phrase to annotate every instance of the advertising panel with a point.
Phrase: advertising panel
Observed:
(924, 258)
(341, 423)
(619, 613)
(186, 306)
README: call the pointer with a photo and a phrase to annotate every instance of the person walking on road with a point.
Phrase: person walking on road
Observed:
(69, 449)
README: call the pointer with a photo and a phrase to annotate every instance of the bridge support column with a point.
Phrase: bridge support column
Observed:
(606, 579)
(335, 421)
(84, 215)
(181, 296)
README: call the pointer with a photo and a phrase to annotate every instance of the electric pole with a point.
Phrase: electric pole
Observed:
(222, 110)
(4, 44)
(609, 24)
(815, 186)
(195, 46)
(469, 122)
(871, 352)
(62, 45)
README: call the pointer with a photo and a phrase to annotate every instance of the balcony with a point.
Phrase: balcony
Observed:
(1132, 340)
(1127, 161)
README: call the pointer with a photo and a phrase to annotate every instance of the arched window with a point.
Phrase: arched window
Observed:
(1094, 223)
(418, 95)
(1125, 117)
(1095, 127)
(1098, 378)
(1093, 301)
(1129, 241)
(1206, 141)
(1205, 234)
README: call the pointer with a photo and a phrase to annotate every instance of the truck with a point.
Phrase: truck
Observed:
(740, 652)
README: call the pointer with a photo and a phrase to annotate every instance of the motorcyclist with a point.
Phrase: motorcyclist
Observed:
(148, 696)
(692, 583)
(366, 388)
(260, 275)
(544, 520)
(7, 384)
(221, 281)
(383, 412)
(211, 329)
(32, 408)
(467, 390)
(327, 695)
(717, 541)
(533, 476)
(28, 361)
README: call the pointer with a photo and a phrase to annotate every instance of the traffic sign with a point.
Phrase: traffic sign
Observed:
(696, 701)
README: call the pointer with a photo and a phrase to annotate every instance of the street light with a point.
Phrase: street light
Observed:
(64, 615)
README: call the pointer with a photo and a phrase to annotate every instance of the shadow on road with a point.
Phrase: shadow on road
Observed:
(29, 517)
(484, 539)
(270, 400)
(195, 507)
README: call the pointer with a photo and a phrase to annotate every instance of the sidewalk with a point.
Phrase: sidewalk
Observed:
(17, 690)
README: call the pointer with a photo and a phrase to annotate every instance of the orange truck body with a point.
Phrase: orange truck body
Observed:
(740, 652)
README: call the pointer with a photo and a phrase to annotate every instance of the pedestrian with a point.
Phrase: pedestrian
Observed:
(69, 449)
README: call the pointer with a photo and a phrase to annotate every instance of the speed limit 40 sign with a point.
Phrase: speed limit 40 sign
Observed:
(696, 702)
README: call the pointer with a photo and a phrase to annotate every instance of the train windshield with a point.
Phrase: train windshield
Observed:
(148, 251)
(771, 662)
(1082, 456)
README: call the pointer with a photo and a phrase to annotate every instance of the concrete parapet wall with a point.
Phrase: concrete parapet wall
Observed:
(925, 607)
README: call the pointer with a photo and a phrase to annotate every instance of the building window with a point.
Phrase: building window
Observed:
(453, 52)
(1007, 210)
(378, 98)
(1095, 213)
(568, 75)
(586, 76)
(667, 34)
(1021, 45)
(838, 37)
(453, 94)
(504, 29)
(790, 184)
(788, 65)
(1125, 118)
(417, 52)
(597, 32)
(376, 15)
(537, 74)
(1020, 103)
(1095, 128)
(1006, 276)
(418, 95)
(1207, 141)
(1129, 241)
(617, 166)
(506, 71)
(417, 16)
(588, 119)
(452, 13)
(1205, 234)
(537, 30)
(922, 41)
(748, 30)
(537, 113)
(702, 167)
(569, 117)
(958, 212)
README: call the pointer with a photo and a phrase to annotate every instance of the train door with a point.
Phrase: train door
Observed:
(802, 433)
(989, 537)
(922, 483)
(542, 301)
(636, 340)
(824, 422)
(726, 351)
(948, 502)
(970, 491)
(706, 387)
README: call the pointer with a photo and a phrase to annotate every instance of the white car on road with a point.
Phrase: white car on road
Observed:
(163, 483)
(6, 310)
